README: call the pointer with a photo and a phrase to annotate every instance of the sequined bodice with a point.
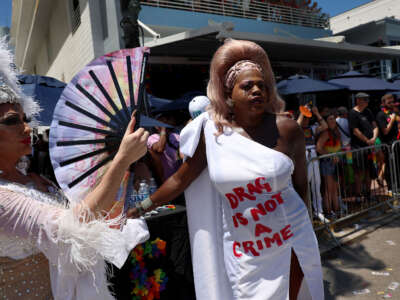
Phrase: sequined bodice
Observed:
(14, 246)
(24, 270)
(27, 278)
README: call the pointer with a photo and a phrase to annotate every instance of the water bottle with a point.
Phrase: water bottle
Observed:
(143, 192)
(130, 201)
(152, 186)
(134, 198)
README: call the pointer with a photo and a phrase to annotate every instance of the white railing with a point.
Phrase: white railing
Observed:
(248, 9)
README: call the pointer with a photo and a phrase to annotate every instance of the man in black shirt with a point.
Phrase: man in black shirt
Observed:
(364, 133)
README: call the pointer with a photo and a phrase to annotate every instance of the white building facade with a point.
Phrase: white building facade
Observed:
(57, 38)
(377, 24)
(372, 11)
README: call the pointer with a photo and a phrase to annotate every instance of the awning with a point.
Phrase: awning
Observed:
(199, 45)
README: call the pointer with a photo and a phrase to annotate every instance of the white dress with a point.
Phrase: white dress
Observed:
(46, 252)
(245, 218)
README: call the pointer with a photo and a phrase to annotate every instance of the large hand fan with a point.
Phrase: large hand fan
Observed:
(91, 117)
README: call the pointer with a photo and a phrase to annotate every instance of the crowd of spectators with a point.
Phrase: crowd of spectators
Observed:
(337, 181)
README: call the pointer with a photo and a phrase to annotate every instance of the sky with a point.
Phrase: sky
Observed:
(332, 7)
(335, 7)
(5, 12)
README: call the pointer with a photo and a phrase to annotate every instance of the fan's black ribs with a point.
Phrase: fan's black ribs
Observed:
(90, 171)
(130, 81)
(107, 96)
(87, 128)
(80, 142)
(86, 155)
(90, 115)
(141, 87)
(98, 104)
(118, 88)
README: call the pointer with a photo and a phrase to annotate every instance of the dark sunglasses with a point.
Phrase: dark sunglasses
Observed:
(15, 120)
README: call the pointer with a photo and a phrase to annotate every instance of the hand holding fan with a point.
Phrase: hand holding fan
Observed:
(90, 120)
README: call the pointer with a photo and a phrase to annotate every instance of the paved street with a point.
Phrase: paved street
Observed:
(350, 268)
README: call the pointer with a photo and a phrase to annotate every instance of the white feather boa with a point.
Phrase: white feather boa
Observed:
(8, 77)
(76, 248)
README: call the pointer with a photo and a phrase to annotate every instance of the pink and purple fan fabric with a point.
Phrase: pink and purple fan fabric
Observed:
(90, 120)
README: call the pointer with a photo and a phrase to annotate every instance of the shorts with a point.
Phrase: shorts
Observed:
(327, 167)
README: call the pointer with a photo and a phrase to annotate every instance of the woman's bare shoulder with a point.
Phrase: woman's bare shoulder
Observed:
(289, 128)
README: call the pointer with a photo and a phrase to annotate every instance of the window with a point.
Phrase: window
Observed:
(75, 15)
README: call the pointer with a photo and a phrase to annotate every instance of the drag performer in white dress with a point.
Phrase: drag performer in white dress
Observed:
(244, 179)
(49, 250)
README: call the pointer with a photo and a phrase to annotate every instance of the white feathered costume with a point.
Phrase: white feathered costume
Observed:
(46, 251)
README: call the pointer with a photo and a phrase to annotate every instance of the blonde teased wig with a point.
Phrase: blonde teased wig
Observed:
(224, 58)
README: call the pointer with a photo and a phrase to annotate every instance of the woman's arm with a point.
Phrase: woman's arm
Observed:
(321, 142)
(299, 176)
(300, 119)
(132, 148)
(179, 181)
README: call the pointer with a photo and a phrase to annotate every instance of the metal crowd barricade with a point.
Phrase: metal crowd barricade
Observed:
(349, 185)
(396, 170)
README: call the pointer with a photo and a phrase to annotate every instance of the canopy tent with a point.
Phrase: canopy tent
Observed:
(155, 102)
(301, 84)
(356, 81)
(46, 90)
(198, 45)
(181, 103)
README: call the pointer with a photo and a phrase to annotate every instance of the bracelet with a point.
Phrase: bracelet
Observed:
(146, 203)
(163, 133)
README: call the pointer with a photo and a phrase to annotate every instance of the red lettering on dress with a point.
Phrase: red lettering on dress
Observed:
(239, 191)
(260, 229)
(264, 185)
(270, 205)
(233, 200)
(275, 239)
(286, 233)
(235, 222)
(260, 245)
(248, 247)
(278, 197)
(242, 220)
(253, 189)
(260, 210)
(235, 245)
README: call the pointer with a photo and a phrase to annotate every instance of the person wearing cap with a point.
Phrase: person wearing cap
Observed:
(364, 133)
